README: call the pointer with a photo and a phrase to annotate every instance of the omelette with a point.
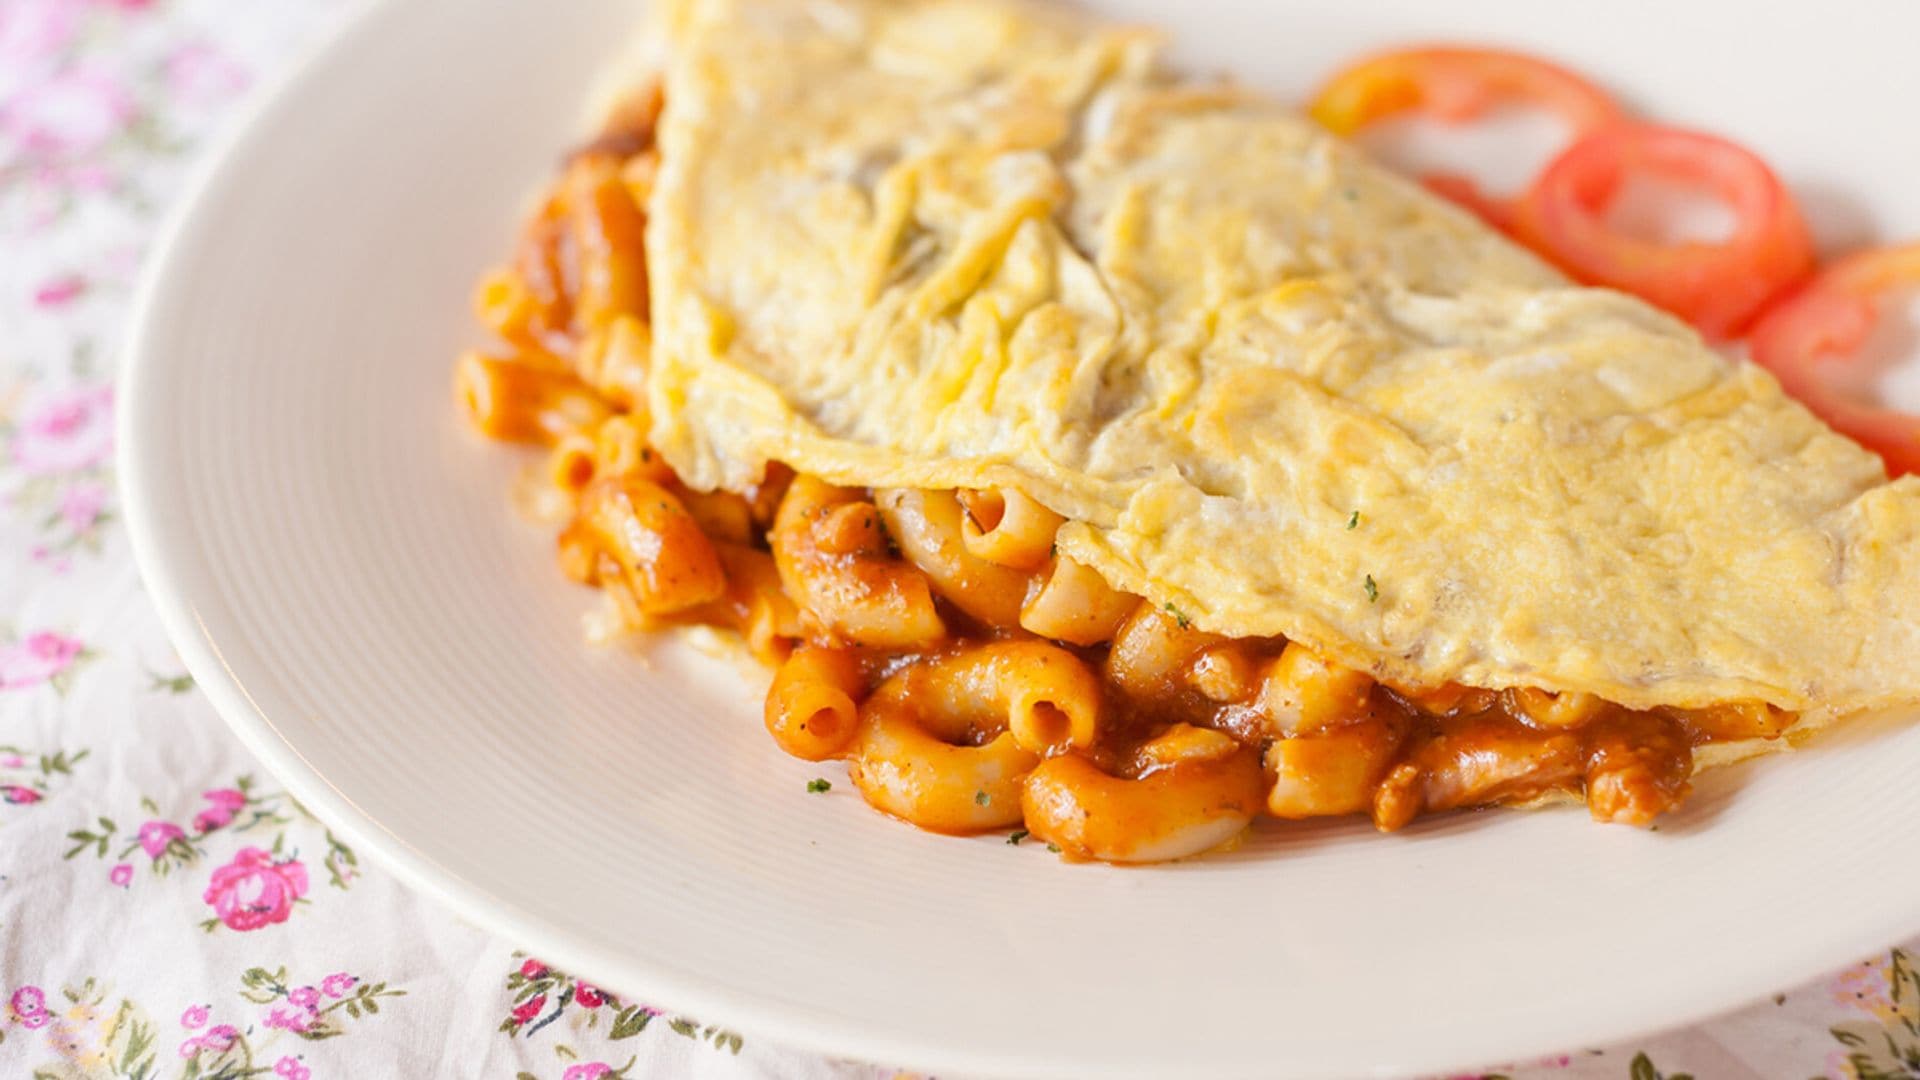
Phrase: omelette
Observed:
(1319, 495)
(954, 244)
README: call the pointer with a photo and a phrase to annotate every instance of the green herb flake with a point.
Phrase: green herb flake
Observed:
(1354, 521)
(980, 798)
(1053, 847)
(1016, 836)
(817, 785)
(1373, 590)
(1178, 615)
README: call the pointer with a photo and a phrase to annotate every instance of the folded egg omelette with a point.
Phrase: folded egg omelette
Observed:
(967, 244)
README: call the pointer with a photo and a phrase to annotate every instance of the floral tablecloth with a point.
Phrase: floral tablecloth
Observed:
(165, 909)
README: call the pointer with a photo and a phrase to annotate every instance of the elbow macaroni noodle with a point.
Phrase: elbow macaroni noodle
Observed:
(971, 676)
(926, 526)
(1008, 528)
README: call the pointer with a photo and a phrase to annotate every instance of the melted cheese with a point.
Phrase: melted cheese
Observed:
(950, 243)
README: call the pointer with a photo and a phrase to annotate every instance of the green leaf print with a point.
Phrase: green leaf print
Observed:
(1642, 1069)
(630, 1021)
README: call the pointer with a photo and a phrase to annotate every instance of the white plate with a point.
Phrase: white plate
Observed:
(337, 561)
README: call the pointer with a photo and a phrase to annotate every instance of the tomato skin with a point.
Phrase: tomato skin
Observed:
(1718, 287)
(1811, 341)
(1456, 85)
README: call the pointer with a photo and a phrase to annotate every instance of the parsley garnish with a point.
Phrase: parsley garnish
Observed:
(816, 785)
(1053, 847)
(1016, 836)
(1178, 616)
(1373, 591)
(980, 798)
(1354, 521)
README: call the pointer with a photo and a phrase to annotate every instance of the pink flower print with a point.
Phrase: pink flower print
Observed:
(19, 795)
(255, 891)
(587, 1070)
(67, 432)
(226, 803)
(286, 1021)
(60, 291)
(220, 1037)
(306, 997)
(199, 74)
(1864, 987)
(29, 1007)
(337, 984)
(129, 5)
(28, 1000)
(69, 115)
(588, 995)
(227, 799)
(121, 874)
(533, 969)
(156, 836)
(75, 176)
(33, 33)
(194, 1017)
(12, 761)
(190, 1047)
(528, 1009)
(291, 1069)
(80, 505)
(36, 658)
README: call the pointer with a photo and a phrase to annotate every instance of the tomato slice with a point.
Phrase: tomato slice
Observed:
(1718, 287)
(1811, 342)
(1456, 86)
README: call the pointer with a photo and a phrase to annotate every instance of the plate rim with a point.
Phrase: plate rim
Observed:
(158, 553)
